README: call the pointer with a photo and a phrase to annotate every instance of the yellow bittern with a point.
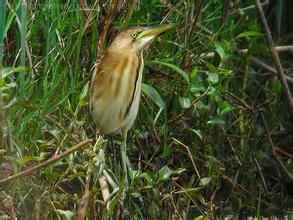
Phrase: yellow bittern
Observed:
(115, 85)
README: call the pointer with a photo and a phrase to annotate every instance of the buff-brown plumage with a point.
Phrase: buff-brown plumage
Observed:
(115, 85)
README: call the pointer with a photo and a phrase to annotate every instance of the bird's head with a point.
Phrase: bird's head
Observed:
(136, 38)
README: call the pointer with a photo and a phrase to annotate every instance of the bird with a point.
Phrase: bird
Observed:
(115, 84)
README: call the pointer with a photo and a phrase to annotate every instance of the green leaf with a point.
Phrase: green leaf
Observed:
(197, 86)
(21, 103)
(225, 108)
(9, 71)
(66, 214)
(176, 69)
(164, 173)
(135, 194)
(153, 94)
(2, 151)
(205, 181)
(84, 93)
(194, 73)
(197, 132)
(149, 177)
(248, 34)
(166, 151)
(216, 121)
(184, 102)
(134, 174)
(220, 50)
(213, 78)
(201, 217)
(211, 67)
(200, 105)
(25, 159)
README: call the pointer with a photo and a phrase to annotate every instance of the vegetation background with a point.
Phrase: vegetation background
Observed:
(214, 132)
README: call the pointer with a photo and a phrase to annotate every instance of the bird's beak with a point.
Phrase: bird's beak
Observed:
(152, 32)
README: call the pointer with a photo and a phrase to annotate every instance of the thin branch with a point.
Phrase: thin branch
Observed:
(242, 188)
(158, 72)
(284, 153)
(83, 202)
(261, 176)
(269, 68)
(84, 6)
(105, 26)
(238, 101)
(273, 149)
(45, 163)
(287, 48)
(266, 2)
(176, 118)
(231, 145)
(275, 56)
(232, 181)
(190, 156)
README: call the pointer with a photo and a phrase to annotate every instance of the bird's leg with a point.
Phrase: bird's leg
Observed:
(124, 159)
(98, 134)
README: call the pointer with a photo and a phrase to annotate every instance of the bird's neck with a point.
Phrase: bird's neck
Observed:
(121, 52)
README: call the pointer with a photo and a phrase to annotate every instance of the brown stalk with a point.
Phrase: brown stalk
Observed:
(176, 118)
(83, 202)
(190, 25)
(245, 51)
(84, 6)
(190, 156)
(269, 68)
(273, 149)
(275, 56)
(105, 24)
(45, 163)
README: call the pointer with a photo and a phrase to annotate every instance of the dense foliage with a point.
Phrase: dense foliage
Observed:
(214, 132)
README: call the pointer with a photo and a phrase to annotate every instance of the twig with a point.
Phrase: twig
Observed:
(275, 56)
(244, 190)
(239, 102)
(190, 156)
(245, 51)
(284, 153)
(229, 179)
(45, 163)
(263, 65)
(225, 11)
(52, 120)
(158, 72)
(273, 149)
(268, 68)
(192, 199)
(261, 176)
(106, 24)
(176, 118)
(266, 2)
(84, 6)
(190, 25)
(83, 203)
(231, 145)
(204, 29)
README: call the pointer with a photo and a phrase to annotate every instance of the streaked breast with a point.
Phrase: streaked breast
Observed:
(112, 91)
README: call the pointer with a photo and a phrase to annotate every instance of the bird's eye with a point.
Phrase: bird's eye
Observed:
(134, 35)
